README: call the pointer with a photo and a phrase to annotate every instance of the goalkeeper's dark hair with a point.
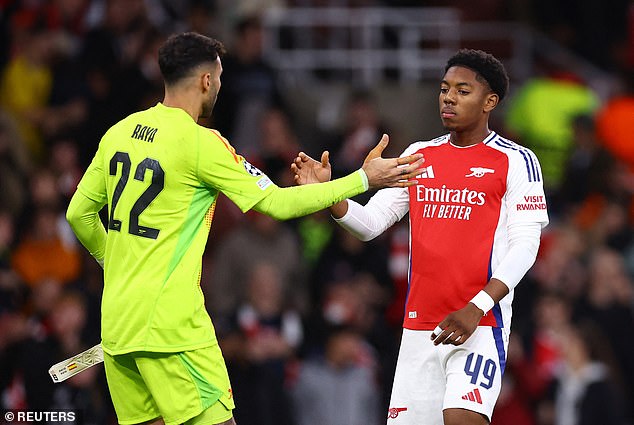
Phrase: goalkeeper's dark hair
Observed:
(181, 53)
(488, 68)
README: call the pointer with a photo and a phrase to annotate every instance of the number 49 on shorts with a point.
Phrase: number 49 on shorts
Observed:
(473, 367)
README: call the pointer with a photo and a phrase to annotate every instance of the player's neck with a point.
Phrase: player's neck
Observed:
(184, 101)
(469, 137)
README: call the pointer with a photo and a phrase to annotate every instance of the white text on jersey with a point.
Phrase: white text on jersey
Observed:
(444, 194)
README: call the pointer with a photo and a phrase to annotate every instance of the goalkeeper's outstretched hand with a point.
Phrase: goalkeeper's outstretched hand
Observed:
(308, 170)
(381, 172)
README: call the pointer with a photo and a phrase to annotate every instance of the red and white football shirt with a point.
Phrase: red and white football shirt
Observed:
(465, 199)
(459, 211)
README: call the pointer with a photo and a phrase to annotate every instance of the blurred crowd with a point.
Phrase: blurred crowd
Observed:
(308, 317)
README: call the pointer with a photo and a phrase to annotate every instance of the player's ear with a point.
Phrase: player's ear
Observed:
(205, 81)
(491, 101)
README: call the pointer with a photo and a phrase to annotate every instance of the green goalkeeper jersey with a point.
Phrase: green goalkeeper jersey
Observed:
(160, 174)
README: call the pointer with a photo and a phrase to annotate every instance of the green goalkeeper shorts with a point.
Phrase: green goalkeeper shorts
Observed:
(189, 387)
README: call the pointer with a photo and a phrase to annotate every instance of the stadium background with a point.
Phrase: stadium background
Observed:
(308, 317)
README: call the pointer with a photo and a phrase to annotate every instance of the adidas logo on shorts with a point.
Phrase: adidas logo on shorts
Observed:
(473, 396)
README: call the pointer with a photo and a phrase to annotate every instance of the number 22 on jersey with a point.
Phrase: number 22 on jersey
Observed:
(155, 187)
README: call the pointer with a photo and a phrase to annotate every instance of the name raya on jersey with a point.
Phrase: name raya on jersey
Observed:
(161, 173)
(468, 195)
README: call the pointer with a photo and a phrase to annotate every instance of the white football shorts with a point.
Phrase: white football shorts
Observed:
(430, 379)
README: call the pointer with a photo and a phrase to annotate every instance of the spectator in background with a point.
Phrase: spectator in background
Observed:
(552, 315)
(398, 266)
(45, 252)
(44, 190)
(278, 145)
(534, 355)
(68, 16)
(29, 334)
(613, 119)
(140, 84)
(606, 215)
(585, 390)
(249, 87)
(65, 21)
(64, 163)
(26, 85)
(608, 303)
(612, 227)
(11, 288)
(587, 168)
(559, 267)
(200, 17)
(540, 116)
(340, 387)
(47, 248)
(521, 388)
(259, 239)
(356, 302)
(346, 257)
(264, 340)
(55, 338)
(15, 166)
(351, 286)
(108, 57)
(362, 125)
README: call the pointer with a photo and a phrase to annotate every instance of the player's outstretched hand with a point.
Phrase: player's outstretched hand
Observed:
(308, 170)
(390, 172)
(457, 326)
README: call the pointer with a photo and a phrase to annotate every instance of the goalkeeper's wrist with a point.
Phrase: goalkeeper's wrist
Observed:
(483, 301)
(364, 178)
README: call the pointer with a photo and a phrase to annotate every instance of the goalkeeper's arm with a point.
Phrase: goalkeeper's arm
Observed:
(83, 217)
(297, 201)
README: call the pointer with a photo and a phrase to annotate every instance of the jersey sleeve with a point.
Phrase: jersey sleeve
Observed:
(296, 201)
(93, 182)
(83, 216)
(385, 208)
(525, 198)
(220, 167)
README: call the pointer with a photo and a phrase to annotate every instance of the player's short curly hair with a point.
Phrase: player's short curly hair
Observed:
(183, 52)
(487, 66)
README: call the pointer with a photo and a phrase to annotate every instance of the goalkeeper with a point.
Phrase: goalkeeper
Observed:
(160, 174)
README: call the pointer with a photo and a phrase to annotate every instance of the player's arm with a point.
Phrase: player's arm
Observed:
(524, 231)
(297, 201)
(458, 326)
(307, 170)
(377, 172)
(83, 211)
(523, 246)
(364, 222)
(220, 167)
(83, 216)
